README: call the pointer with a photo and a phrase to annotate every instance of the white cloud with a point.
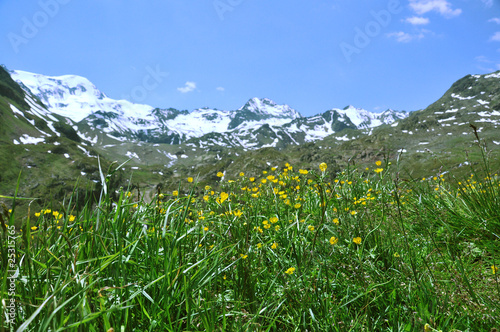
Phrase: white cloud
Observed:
(495, 20)
(404, 37)
(190, 86)
(221, 89)
(482, 58)
(485, 64)
(416, 20)
(441, 6)
(488, 3)
(496, 36)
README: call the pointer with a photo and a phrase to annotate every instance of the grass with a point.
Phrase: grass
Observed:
(279, 250)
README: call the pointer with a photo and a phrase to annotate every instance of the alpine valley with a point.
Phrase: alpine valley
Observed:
(56, 132)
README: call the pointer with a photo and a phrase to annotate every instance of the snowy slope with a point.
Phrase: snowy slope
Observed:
(75, 97)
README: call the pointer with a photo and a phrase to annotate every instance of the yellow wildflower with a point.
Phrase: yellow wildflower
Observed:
(333, 240)
(323, 167)
(290, 271)
(223, 197)
(357, 240)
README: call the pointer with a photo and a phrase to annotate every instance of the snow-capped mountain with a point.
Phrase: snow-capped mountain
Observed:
(258, 123)
(365, 119)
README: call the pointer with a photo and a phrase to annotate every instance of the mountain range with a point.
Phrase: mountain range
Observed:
(54, 128)
(259, 123)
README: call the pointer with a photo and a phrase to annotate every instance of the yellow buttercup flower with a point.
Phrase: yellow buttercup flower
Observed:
(223, 197)
(378, 163)
(274, 245)
(323, 167)
(220, 174)
(190, 179)
(357, 240)
(290, 271)
(333, 240)
(494, 269)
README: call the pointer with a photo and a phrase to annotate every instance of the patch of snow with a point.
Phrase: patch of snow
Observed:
(494, 75)
(448, 119)
(132, 155)
(26, 139)
(453, 95)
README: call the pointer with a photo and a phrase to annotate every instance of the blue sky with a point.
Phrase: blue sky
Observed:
(312, 55)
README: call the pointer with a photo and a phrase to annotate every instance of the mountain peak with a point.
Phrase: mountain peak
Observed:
(266, 107)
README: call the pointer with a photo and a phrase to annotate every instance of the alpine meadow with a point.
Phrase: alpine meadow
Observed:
(305, 166)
